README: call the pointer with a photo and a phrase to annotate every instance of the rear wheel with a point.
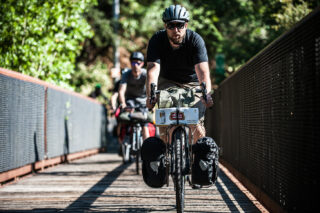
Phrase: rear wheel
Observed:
(179, 178)
(138, 146)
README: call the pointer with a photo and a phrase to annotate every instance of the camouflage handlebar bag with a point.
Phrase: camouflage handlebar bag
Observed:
(176, 96)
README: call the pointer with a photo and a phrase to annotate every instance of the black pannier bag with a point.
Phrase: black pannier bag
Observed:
(153, 162)
(206, 161)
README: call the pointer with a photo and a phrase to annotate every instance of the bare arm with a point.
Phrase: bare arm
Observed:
(114, 99)
(122, 91)
(153, 70)
(203, 74)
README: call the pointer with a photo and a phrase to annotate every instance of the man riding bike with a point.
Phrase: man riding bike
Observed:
(178, 57)
(132, 90)
(177, 62)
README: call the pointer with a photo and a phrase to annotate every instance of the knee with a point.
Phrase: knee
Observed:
(201, 131)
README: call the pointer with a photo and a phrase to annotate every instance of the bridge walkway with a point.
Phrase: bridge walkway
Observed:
(101, 183)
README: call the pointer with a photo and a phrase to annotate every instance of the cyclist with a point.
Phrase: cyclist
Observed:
(177, 56)
(132, 89)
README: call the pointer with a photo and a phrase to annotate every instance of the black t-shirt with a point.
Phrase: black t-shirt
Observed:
(177, 64)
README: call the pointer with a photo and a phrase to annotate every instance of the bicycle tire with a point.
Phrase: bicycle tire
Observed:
(138, 143)
(179, 177)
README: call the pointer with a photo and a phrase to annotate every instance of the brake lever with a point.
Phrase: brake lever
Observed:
(203, 91)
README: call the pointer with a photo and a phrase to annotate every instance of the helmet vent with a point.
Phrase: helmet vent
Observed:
(175, 12)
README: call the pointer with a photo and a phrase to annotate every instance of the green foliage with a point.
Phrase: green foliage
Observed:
(236, 28)
(292, 13)
(241, 28)
(91, 67)
(140, 19)
(42, 38)
(87, 76)
(102, 27)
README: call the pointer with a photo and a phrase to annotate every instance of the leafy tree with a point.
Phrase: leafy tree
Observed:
(87, 76)
(140, 19)
(101, 21)
(93, 63)
(237, 28)
(292, 13)
(240, 28)
(43, 38)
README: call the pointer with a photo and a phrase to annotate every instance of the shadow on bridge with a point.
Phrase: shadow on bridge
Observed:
(132, 196)
(235, 199)
(85, 201)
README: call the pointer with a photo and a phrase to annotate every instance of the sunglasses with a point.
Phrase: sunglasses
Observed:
(134, 63)
(179, 26)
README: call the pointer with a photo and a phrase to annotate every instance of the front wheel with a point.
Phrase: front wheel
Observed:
(179, 179)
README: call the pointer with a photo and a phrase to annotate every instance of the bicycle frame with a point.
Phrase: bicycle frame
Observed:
(135, 135)
(135, 142)
(178, 157)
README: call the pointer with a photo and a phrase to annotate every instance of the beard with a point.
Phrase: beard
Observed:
(176, 39)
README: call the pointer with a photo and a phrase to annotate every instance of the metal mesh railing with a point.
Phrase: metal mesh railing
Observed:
(72, 124)
(21, 123)
(39, 122)
(266, 117)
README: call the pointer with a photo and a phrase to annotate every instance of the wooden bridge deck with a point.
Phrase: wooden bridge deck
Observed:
(100, 183)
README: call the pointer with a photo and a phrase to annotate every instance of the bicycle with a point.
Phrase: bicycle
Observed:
(178, 156)
(133, 140)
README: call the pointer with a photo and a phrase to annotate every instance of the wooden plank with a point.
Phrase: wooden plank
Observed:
(240, 179)
(14, 173)
(101, 183)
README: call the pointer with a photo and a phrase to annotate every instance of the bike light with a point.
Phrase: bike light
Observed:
(173, 116)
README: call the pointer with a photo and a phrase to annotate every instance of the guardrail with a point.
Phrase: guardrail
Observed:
(42, 124)
(266, 120)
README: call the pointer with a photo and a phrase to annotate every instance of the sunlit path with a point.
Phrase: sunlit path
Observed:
(101, 183)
